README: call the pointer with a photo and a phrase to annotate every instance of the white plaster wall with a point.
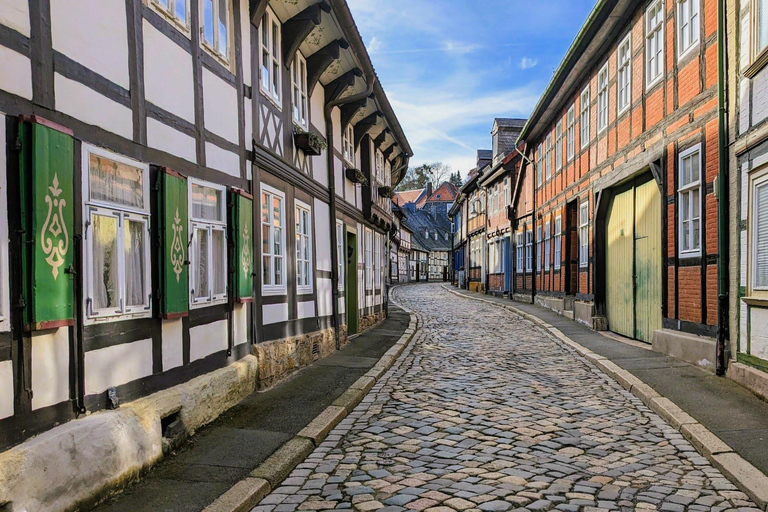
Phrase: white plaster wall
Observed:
(205, 340)
(349, 191)
(320, 169)
(220, 106)
(222, 160)
(275, 313)
(245, 27)
(759, 332)
(250, 131)
(5, 284)
(93, 33)
(317, 111)
(240, 321)
(6, 389)
(336, 121)
(15, 14)
(16, 74)
(163, 137)
(168, 74)
(117, 365)
(324, 297)
(305, 309)
(338, 174)
(173, 344)
(50, 368)
(91, 107)
(342, 304)
(322, 236)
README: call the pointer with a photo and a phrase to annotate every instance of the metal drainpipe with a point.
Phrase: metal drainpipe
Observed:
(332, 190)
(722, 197)
(533, 231)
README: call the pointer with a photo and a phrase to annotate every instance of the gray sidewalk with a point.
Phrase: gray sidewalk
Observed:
(728, 410)
(223, 453)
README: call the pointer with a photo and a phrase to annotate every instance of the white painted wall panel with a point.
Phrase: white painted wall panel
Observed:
(6, 389)
(338, 174)
(222, 160)
(322, 236)
(173, 344)
(15, 14)
(220, 106)
(240, 318)
(759, 330)
(16, 75)
(163, 137)
(91, 107)
(275, 313)
(320, 169)
(336, 121)
(342, 305)
(324, 298)
(317, 110)
(168, 74)
(93, 33)
(245, 27)
(250, 130)
(50, 368)
(117, 365)
(5, 283)
(205, 340)
(305, 309)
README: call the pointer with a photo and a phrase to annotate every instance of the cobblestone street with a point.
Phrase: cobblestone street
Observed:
(486, 411)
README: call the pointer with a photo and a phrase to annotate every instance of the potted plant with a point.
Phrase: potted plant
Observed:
(387, 192)
(310, 143)
(356, 176)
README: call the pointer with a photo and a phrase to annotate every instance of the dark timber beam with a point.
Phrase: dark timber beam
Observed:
(350, 110)
(381, 138)
(296, 29)
(390, 150)
(335, 89)
(363, 127)
(257, 8)
(319, 61)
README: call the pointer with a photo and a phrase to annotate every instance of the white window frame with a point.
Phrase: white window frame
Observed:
(688, 26)
(547, 244)
(5, 271)
(602, 99)
(270, 50)
(348, 144)
(571, 133)
(624, 75)
(559, 146)
(654, 43)
(340, 253)
(548, 158)
(368, 260)
(584, 117)
(210, 226)
(754, 11)
(558, 242)
(756, 181)
(528, 249)
(539, 245)
(584, 234)
(299, 94)
(299, 208)
(169, 11)
(519, 249)
(213, 47)
(377, 250)
(539, 164)
(123, 213)
(271, 288)
(687, 189)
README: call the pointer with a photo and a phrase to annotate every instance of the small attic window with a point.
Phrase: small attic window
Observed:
(438, 196)
(426, 234)
(435, 235)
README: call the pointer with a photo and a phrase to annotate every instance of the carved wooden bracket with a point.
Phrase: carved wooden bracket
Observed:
(319, 61)
(296, 29)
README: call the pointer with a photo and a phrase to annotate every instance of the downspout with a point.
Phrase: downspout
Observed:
(721, 360)
(371, 80)
(533, 231)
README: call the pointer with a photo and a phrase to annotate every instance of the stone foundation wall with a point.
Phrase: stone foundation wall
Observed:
(369, 321)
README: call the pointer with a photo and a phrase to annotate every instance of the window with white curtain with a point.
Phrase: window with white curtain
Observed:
(208, 254)
(269, 56)
(759, 14)
(117, 246)
(272, 241)
(654, 43)
(571, 133)
(299, 84)
(559, 146)
(584, 234)
(377, 260)
(340, 255)
(687, 26)
(539, 243)
(176, 10)
(519, 250)
(215, 27)
(539, 162)
(759, 233)
(625, 74)
(368, 250)
(547, 244)
(528, 249)
(690, 201)
(348, 144)
(548, 157)
(558, 242)
(303, 248)
(602, 99)
(584, 117)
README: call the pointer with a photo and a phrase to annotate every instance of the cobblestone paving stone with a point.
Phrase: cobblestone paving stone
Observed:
(487, 412)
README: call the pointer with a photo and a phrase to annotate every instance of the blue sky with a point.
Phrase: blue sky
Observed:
(449, 67)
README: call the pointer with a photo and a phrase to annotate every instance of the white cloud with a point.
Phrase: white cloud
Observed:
(528, 63)
(374, 46)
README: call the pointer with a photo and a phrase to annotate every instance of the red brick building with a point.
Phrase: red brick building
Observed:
(619, 227)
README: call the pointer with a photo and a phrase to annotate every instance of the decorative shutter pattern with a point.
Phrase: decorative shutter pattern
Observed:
(174, 246)
(47, 206)
(761, 236)
(242, 255)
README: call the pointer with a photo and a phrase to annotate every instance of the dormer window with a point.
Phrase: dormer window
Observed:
(270, 55)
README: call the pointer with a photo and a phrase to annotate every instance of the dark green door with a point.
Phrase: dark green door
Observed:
(351, 284)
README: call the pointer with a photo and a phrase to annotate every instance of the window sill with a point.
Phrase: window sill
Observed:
(304, 290)
(649, 86)
(216, 55)
(273, 292)
(690, 254)
(756, 301)
(105, 319)
(267, 95)
(685, 57)
(207, 304)
(757, 65)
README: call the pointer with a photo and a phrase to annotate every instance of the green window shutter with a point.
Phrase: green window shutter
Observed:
(242, 255)
(174, 244)
(47, 207)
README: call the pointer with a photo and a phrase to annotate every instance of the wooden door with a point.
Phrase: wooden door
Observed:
(648, 317)
(619, 296)
(351, 284)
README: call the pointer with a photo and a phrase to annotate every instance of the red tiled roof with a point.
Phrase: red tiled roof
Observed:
(407, 196)
(446, 192)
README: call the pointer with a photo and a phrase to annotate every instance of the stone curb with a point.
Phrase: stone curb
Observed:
(247, 493)
(744, 475)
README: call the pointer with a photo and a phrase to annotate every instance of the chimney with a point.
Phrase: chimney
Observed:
(429, 189)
